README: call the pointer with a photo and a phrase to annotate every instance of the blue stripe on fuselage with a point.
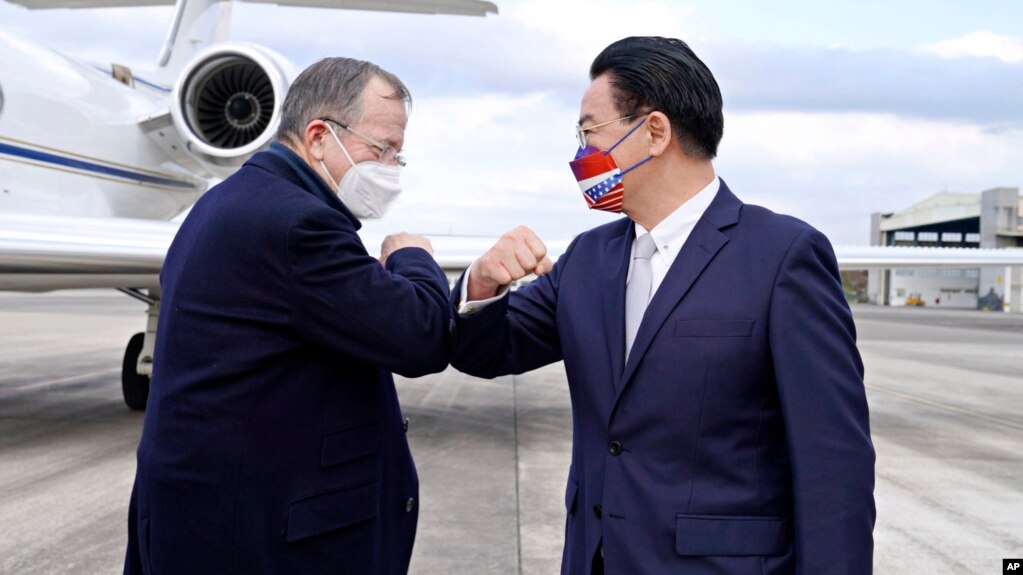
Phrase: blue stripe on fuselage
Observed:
(47, 157)
(152, 85)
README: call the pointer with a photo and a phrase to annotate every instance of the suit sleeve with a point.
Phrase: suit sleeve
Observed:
(824, 406)
(343, 299)
(514, 334)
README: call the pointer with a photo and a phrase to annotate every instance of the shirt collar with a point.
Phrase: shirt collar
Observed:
(673, 230)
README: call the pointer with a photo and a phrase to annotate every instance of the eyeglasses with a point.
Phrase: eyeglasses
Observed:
(387, 153)
(580, 131)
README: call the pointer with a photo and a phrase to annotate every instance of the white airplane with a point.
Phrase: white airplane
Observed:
(94, 160)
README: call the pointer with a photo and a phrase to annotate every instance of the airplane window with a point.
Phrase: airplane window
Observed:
(1, 100)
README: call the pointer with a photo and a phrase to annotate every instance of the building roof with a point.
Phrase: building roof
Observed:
(939, 208)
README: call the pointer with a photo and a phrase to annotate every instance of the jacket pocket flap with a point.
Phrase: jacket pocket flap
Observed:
(570, 492)
(329, 511)
(721, 535)
(349, 444)
(714, 328)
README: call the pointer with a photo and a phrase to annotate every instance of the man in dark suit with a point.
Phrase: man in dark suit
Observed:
(720, 420)
(273, 440)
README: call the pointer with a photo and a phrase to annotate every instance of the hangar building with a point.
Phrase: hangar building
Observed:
(989, 219)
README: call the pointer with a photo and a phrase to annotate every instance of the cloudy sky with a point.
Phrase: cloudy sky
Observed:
(833, 110)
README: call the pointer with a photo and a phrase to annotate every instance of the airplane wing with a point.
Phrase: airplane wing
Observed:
(53, 4)
(462, 7)
(42, 253)
(873, 257)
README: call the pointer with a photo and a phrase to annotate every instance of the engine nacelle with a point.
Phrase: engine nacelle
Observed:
(226, 104)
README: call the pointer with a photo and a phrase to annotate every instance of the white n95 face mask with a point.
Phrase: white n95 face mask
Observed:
(369, 188)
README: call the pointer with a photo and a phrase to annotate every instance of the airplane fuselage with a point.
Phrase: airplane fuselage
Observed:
(71, 143)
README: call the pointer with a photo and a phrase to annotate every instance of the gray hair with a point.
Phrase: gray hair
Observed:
(332, 87)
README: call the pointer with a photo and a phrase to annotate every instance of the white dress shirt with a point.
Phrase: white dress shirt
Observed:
(673, 231)
(669, 236)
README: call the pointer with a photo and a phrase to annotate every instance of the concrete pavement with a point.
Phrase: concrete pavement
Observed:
(945, 391)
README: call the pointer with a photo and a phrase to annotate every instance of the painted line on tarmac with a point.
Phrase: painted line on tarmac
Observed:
(8, 391)
(946, 407)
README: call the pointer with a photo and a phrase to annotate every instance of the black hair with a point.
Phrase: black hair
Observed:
(663, 74)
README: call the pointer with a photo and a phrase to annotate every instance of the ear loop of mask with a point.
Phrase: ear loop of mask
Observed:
(622, 139)
(347, 156)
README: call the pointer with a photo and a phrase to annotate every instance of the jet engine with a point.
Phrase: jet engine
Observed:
(227, 101)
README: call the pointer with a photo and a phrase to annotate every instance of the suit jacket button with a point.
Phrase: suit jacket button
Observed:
(410, 504)
(405, 425)
(596, 511)
(615, 447)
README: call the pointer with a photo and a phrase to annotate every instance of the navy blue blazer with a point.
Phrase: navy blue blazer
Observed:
(736, 438)
(273, 440)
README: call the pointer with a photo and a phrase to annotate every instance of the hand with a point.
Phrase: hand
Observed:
(517, 254)
(395, 242)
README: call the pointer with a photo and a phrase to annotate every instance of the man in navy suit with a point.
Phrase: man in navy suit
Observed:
(273, 440)
(719, 417)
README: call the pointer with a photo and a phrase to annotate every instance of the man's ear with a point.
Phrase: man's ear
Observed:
(658, 128)
(315, 139)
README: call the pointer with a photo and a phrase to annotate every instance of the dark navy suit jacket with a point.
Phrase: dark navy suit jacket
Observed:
(273, 440)
(736, 440)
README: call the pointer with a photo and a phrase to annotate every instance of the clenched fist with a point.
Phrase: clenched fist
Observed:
(517, 254)
(395, 242)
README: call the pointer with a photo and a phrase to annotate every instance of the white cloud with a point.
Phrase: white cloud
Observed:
(834, 170)
(981, 44)
(531, 45)
(541, 45)
(588, 25)
(826, 135)
(131, 36)
(482, 165)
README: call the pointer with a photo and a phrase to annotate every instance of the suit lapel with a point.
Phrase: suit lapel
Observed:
(705, 241)
(613, 293)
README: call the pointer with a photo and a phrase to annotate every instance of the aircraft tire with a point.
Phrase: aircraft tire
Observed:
(134, 386)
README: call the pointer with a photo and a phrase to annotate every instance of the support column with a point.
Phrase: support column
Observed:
(1007, 300)
(145, 361)
(1020, 305)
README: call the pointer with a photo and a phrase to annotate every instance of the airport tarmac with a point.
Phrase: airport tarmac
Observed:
(945, 390)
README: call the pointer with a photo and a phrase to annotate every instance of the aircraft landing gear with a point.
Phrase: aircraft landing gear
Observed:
(138, 356)
(134, 385)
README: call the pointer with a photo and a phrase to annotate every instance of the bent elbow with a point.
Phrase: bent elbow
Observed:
(436, 364)
(429, 355)
(423, 366)
(475, 366)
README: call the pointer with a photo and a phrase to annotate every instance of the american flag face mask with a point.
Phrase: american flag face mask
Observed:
(599, 176)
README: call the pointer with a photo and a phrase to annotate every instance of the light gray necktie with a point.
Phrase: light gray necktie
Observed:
(637, 293)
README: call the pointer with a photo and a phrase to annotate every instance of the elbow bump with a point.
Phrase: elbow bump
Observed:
(434, 358)
(426, 365)
(474, 367)
(439, 364)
